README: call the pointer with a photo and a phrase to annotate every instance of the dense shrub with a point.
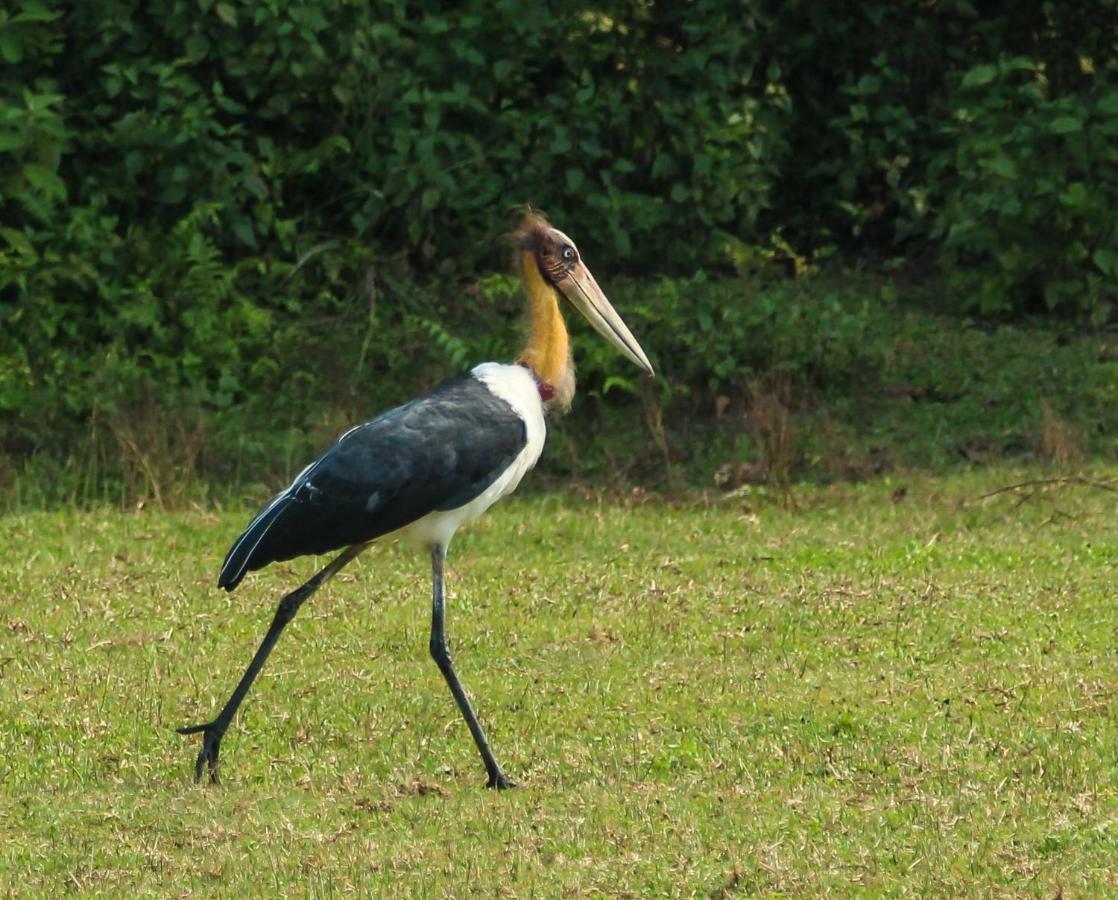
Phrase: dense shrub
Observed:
(218, 209)
(199, 179)
(977, 135)
(722, 336)
(1027, 188)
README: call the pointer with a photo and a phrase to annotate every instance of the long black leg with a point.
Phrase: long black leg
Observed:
(212, 732)
(441, 654)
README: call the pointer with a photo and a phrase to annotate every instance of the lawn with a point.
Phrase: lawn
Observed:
(901, 686)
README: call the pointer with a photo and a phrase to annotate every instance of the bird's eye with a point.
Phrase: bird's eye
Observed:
(568, 253)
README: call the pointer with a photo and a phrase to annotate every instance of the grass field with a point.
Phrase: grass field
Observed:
(900, 686)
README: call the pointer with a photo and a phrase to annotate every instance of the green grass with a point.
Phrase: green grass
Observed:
(947, 395)
(910, 692)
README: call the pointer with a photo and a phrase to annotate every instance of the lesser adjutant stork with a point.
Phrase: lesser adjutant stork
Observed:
(423, 469)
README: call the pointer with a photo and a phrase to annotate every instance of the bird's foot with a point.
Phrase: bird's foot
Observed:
(499, 782)
(212, 733)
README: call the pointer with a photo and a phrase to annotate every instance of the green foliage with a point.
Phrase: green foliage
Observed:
(1027, 192)
(198, 198)
(644, 127)
(863, 79)
(874, 174)
(985, 141)
(719, 336)
(221, 211)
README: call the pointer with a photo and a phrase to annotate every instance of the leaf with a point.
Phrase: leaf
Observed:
(335, 143)
(561, 143)
(1107, 261)
(11, 47)
(1002, 165)
(1065, 125)
(1075, 196)
(1108, 103)
(226, 13)
(39, 102)
(17, 239)
(979, 76)
(36, 12)
(620, 383)
(662, 165)
(10, 140)
(197, 47)
(43, 179)
(242, 228)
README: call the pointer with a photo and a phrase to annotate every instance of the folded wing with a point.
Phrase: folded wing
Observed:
(438, 452)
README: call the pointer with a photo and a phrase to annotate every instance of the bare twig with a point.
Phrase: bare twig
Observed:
(1054, 482)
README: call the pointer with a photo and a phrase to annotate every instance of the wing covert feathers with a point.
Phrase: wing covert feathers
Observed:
(438, 452)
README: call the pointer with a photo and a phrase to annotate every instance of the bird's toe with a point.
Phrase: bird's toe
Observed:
(212, 733)
(499, 782)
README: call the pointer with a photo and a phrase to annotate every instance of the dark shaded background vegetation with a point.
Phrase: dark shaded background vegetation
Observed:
(228, 228)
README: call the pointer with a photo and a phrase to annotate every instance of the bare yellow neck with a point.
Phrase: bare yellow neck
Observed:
(548, 352)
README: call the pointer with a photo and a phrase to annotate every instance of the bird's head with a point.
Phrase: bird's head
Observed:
(548, 254)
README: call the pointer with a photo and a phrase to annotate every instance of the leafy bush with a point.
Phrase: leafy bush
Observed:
(644, 126)
(864, 80)
(720, 336)
(214, 210)
(984, 140)
(195, 193)
(1028, 189)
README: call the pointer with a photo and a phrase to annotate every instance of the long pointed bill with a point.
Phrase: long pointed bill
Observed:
(582, 290)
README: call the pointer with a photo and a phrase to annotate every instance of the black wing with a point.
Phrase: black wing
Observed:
(437, 452)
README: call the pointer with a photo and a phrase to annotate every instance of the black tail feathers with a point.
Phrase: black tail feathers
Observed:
(248, 551)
